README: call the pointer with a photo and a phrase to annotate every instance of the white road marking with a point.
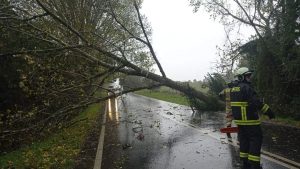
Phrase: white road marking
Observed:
(98, 159)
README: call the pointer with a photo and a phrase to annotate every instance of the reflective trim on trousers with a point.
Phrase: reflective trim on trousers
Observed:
(243, 155)
(247, 122)
(253, 158)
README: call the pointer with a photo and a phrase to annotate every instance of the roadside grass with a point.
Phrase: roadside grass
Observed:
(288, 121)
(58, 150)
(284, 121)
(174, 97)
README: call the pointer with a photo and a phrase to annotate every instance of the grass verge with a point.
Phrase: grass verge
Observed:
(287, 121)
(165, 96)
(58, 150)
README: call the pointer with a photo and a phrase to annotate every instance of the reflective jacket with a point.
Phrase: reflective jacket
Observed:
(245, 105)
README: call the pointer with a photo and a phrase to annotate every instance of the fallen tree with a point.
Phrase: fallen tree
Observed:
(62, 52)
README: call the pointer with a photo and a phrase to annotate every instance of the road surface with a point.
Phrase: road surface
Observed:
(145, 133)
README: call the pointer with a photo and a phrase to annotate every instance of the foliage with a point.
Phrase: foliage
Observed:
(215, 83)
(57, 150)
(273, 52)
(59, 53)
(199, 85)
(211, 105)
(50, 72)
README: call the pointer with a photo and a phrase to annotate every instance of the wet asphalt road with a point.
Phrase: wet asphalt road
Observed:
(144, 133)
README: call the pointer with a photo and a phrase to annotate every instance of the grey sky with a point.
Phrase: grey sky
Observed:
(185, 42)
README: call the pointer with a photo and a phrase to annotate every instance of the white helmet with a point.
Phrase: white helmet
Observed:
(242, 71)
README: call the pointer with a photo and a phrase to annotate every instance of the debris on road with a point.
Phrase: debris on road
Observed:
(169, 113)
(137, 128)
(140, 136)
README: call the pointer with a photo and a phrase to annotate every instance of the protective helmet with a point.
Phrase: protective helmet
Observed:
(241, 72)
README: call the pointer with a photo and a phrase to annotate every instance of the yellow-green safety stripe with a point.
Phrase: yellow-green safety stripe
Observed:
(248, 122)
(253, 158)
(243, 155)
(239, 104)
(244, 120)
(244, 116)
(264, 108)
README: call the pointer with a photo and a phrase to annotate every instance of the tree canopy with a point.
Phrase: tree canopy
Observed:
(57, 54)
(274, 50)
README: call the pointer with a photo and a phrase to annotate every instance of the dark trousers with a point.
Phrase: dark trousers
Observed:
(250, 138)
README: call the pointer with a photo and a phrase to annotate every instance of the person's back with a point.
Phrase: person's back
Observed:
(245, 104)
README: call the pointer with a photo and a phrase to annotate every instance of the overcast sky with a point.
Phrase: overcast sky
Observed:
(185, 42)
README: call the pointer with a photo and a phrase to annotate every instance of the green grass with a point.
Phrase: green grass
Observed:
(56, 151)
(165, 95)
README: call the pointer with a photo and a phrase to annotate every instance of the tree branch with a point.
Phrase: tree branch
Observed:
(250, 21)
(61, 21)
(227, 12)
(148, 42)
(42, 50)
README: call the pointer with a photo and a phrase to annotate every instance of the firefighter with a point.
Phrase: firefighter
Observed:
(246, 108)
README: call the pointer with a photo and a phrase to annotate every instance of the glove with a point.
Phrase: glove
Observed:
(270, 114)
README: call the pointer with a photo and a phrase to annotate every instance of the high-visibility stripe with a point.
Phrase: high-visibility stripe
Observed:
(239, 104)
(235, 89)
(253, 158)
(243, 110)
(244, 120)
(243, 155)
(247, 122)
(264, 108)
